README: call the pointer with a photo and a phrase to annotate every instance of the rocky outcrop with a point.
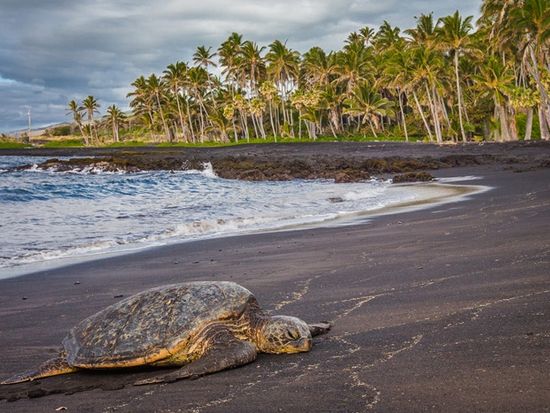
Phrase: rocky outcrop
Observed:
(412, 177)
(341, 162)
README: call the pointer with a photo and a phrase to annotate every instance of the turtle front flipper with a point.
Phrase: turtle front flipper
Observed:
(49, 368)
(224, 352)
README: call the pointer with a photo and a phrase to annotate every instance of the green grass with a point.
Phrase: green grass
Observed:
(135, 142)
(14, 145)
(125, 144)
(67, 143)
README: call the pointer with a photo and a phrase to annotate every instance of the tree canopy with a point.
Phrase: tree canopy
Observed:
(447, 79)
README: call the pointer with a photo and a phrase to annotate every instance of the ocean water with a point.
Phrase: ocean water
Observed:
(47, 216)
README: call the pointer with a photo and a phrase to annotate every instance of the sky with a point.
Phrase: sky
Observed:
(53, 51)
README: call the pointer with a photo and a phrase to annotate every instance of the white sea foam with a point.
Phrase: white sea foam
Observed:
(458, 179)
(208, 170)
(48, 216)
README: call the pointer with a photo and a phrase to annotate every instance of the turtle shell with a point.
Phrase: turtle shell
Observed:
(151, 325)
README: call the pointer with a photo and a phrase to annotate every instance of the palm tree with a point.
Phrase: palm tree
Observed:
(284, 69)
(495, 14)
(283, 64)
(369, 105)
(115, 118)
(495, 81)
(268, 91)
(454, 36)
(433, 74)
(387, 37)
(197, 84)
(174, 76)
(426, 65)
(141, 100)
(331, 101)
(91, 106)
(221, 124)
(203, 57)
(156, 89)
(531, 24)
(425, 31)
(353, 66)
(229, 55)
(76, 111)
(398, 70)
(252, 64)
(318, 67)
(367, 35)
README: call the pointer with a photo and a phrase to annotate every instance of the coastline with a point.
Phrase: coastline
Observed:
(429, 195)
(341, 161)
(442, 309)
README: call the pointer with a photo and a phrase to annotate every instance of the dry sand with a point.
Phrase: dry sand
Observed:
(443, 309)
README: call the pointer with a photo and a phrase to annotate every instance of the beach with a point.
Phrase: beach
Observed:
(440, 309)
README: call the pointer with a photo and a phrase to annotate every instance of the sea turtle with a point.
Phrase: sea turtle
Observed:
(202, 327)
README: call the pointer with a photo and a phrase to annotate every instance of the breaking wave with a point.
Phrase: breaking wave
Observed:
(45, 216)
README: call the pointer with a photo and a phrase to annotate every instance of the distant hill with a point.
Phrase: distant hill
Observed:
(37, 132)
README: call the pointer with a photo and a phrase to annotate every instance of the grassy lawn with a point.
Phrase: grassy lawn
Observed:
(63, 143)
(75, 141)
(14, 145)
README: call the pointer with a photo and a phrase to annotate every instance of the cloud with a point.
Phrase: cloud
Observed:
(56, 50)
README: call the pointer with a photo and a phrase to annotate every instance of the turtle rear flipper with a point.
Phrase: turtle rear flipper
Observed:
(49, 368)
(224, 352)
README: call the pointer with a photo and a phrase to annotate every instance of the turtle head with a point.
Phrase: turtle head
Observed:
(283, 334)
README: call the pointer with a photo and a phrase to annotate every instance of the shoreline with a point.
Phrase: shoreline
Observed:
(341, 161)
(439, 309)
(430, 195)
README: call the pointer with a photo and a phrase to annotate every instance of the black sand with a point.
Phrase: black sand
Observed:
(444, 309)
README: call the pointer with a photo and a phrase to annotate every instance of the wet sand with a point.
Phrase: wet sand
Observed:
(443, 309)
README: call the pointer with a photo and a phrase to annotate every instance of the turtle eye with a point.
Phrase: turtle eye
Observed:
(293, 334)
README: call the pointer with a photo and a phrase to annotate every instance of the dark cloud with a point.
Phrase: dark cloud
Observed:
(56, 50)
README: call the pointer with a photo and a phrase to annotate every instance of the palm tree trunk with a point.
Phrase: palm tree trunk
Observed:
(165, 126)
(260, 121)
(459, 93)
(403, 116)
(300, 124)
(94, 129)
(313, 130)
(256, 134)
(332, 129)
(278, 117)
(244, 123)
(435, 117)
(504, 135)
(272, 122)
(544, 132)
(372, 128)
(151, 119)
(544, 116)
(426, 125)
(202, 124)
(444, 111)
(234, 130)
(194, 140)
(529, 124)
(512, 125)
(181, 116)
(86, 141)
(308, 131)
